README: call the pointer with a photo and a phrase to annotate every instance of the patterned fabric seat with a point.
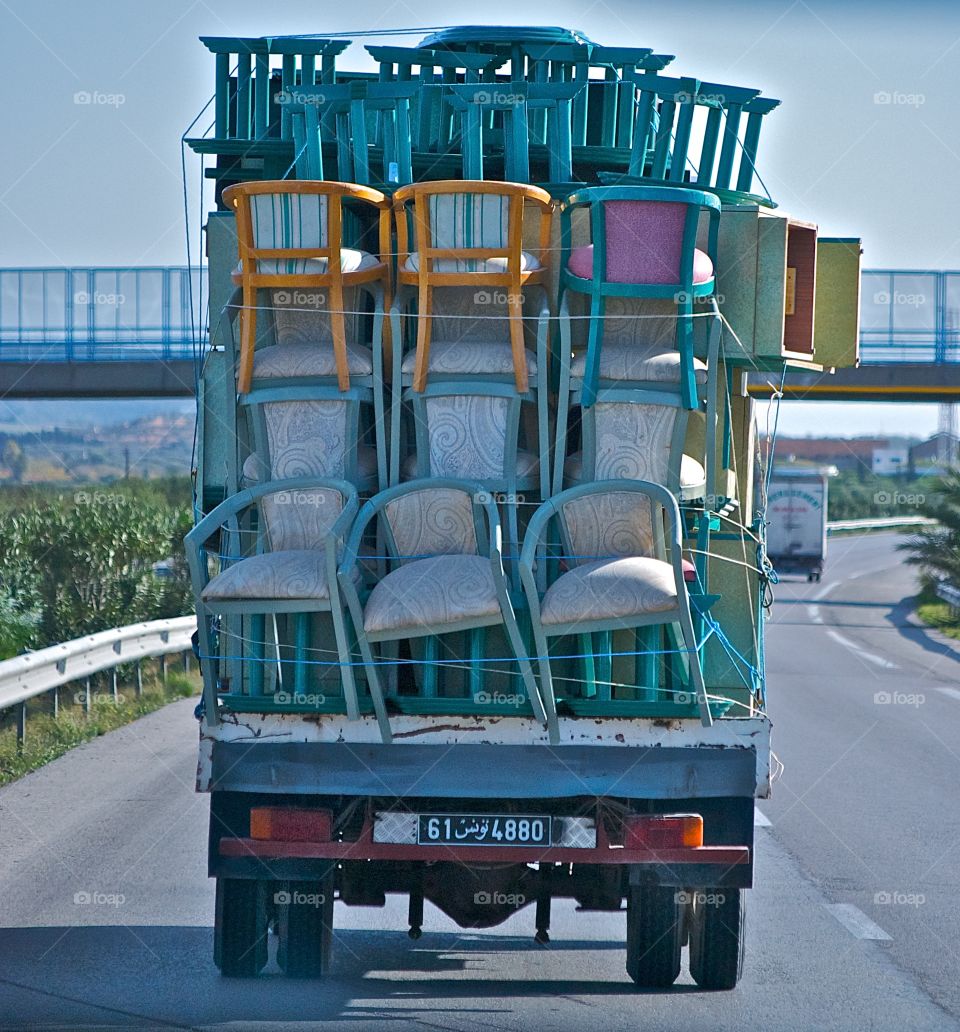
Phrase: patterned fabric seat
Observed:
(351, 260)
(254, 468)
(628, 362)
(609, 589)
(302, 359)
(295, 574)
(471, 357)
(693, 476)
(433, 592)
(634, 269)
(528, 263)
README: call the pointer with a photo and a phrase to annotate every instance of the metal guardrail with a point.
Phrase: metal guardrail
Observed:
(25, 677)
(883, 523)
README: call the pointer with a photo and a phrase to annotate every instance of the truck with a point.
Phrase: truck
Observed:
(602, 745)
(797, 513)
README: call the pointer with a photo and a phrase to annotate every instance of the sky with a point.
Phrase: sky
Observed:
(865, 143)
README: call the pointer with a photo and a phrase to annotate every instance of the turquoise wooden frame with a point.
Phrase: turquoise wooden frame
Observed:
(599, 289)
(532, 557)
(488, 537)
(227, 513)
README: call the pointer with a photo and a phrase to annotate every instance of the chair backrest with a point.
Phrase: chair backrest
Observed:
(466, 435)
(298, 518)
(463, 222)
(284, 223)
(432, 520)
(642, 235)
(611, 524)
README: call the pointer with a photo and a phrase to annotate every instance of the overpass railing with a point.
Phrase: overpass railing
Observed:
(100, 314)
(909, 315)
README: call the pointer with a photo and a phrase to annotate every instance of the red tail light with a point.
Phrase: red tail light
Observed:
(663, 831)
(288, 824)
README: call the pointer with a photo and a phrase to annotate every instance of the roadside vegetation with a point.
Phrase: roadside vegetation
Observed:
(80, 560)
(935, 550)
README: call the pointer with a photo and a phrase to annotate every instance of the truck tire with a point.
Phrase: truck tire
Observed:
(654, 935)
(305, 928)
(717, 938)
(240, 927)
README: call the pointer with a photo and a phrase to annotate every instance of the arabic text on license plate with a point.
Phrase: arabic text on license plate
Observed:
(450, 829)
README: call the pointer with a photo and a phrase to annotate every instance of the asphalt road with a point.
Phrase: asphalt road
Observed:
(106, 912)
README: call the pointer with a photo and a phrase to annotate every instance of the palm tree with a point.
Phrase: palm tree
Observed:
(936, 548)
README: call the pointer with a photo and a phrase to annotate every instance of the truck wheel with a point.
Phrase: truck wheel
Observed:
(305, 928)
(654, 935)
(717, 938)
(240, 928)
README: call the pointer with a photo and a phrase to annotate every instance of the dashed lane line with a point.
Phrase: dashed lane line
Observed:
(856, 922)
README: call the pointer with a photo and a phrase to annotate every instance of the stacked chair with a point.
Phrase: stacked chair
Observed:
(444, 487)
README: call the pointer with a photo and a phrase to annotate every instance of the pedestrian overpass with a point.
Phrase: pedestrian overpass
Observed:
(140, 332)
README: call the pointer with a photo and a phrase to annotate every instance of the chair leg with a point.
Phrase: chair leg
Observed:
(696, 671)
(396, 398)
(646, 668)
(248, 339)
(346, 663)
(258, 630)
(301, 648)
(338, 326)
(431, 657)
(605, 665)
(209, 665)
(376, 692)
(424, 315)
(379, 412)
(688, 381)
(543, 701)
(515, 309)
(563, 403)
(591, 372)
(476, 645)
(585, 642)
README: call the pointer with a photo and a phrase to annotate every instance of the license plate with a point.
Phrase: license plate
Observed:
(454, 829)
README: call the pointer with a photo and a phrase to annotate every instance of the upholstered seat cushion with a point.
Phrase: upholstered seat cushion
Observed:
(351, 260)
(254, 468)
(294, 574)
(487, 357)
(581, 264)
(628, 362)
(302, 359)
(610, 589)
(528, 263)
(693, 476)
(432, 593)
(528, 465)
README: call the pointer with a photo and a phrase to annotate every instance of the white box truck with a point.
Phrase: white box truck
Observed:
(797, 522)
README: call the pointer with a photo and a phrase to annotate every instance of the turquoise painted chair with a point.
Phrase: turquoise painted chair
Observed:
(284, 563)
(643, 247)
(445, 575)
(369, 124)
(621, 544)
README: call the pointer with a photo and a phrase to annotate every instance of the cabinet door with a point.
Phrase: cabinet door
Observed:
(836, 338)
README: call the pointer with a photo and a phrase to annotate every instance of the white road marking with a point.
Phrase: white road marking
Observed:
(814, 613)
(856, 922)
(760, 819)
(862, 653)
(952, 692)
(825, 590)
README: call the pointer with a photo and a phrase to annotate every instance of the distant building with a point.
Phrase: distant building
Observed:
(842, 452)
(890, 462)
(941, 449)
